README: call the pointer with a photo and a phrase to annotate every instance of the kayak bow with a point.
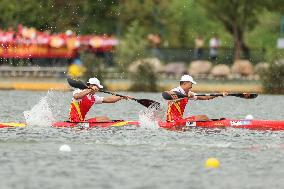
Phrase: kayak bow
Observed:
(273, 125)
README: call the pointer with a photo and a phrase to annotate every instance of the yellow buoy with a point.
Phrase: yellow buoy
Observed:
(212, 163)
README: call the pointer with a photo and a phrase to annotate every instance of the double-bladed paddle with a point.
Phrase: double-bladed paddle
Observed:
(80, 85)
(173, 95)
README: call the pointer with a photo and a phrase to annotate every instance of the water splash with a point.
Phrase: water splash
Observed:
(49, 109)
(149, 118)
(40, 114)
(59, 103)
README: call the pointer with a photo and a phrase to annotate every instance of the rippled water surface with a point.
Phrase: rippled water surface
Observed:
(145, 157)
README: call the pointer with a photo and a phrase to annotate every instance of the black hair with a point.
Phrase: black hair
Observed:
(182, 82)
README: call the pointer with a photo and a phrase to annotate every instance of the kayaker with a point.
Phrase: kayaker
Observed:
(83, 100)
(176, 107)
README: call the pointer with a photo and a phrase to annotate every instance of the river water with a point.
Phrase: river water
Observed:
(145, 157)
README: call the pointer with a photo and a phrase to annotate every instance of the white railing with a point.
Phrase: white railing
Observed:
(33, 71)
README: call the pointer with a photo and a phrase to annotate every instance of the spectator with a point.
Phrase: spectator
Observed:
(198, 51)
(214, 45)
(155, 42)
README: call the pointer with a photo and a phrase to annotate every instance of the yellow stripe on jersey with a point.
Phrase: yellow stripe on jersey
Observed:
(76, 105)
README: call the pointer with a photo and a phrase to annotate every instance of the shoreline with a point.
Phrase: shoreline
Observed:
(44, 84)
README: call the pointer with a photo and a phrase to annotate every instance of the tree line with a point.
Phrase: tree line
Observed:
(241, 24)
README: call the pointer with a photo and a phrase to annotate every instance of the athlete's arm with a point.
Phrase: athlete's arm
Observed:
(210, 97)
(111, 99)
(205, 97)
(85, 92)
(191, 95)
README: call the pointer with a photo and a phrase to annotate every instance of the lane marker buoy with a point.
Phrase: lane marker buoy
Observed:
(212, 163)
(249, 117)
(65, 148)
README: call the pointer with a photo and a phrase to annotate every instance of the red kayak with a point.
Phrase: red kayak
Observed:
(182, 124)
(90, 124)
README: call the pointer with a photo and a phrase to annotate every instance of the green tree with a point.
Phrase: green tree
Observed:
(145, 79)
(178, 22)
(132, 46)
(273, 78)
(149, 13)
(186, 20)
(237, 16)
(14, 12)
(85, 16)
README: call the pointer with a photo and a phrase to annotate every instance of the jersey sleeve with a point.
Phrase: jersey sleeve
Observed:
(193, 98)
(176, 89)
(98, 99)
(76, 91)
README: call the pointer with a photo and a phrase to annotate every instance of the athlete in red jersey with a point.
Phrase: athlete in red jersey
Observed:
(176, 108)
(84, 99)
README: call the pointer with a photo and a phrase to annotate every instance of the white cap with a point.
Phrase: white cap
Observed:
(95, 81)
(187, 78)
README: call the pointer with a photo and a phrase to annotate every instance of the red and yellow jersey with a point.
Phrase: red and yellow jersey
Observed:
(80, 107)
(176, 108)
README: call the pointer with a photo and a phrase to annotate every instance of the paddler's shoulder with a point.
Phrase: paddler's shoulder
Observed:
(179, 89)
(77, 91)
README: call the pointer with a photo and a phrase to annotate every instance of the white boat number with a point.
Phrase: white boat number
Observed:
(190, 124)
(84, 125)
(240, 122)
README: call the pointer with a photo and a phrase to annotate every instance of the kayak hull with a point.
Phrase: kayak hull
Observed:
(183, 124)
(273, 125)
(90, 124)
(12, 125)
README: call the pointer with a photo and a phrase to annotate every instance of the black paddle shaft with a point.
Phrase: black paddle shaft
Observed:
(145, 102)
(173, 95)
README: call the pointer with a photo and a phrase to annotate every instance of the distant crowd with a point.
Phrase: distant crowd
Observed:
(214, 45)
(28, 42)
